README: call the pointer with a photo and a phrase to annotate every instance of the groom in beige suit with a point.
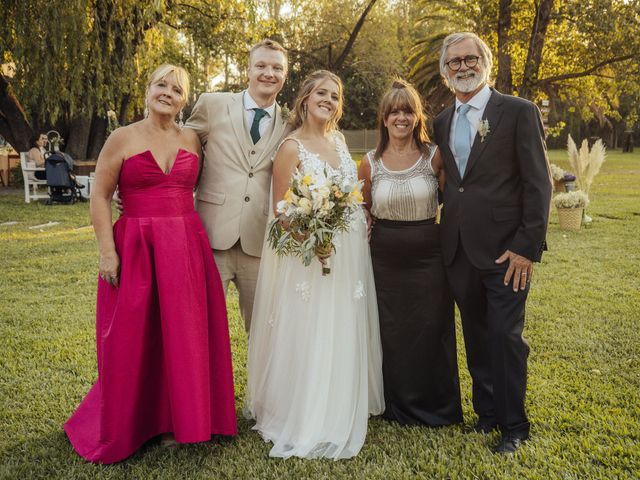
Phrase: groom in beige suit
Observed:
(240, 133)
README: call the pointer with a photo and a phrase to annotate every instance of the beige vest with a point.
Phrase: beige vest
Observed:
(233, 192)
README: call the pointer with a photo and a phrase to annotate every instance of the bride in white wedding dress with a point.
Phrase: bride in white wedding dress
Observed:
(315, 361)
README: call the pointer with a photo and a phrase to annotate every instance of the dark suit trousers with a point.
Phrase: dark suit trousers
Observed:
(492, 323)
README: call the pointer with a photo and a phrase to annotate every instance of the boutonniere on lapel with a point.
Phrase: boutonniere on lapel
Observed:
(483, 129)
(285, 113)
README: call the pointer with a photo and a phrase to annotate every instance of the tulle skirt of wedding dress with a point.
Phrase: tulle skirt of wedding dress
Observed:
(315, 360)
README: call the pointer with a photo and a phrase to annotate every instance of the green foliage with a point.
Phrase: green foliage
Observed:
(582, 326)
(316, 32)
(214, 36)
(437, 19)
(74, 57)
(590, 49)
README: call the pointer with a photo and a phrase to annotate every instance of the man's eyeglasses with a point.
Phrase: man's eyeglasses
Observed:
(455, 63)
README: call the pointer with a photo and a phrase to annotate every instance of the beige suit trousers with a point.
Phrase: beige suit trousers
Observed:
(236, 266)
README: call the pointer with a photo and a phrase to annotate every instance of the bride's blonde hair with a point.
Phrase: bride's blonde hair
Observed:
(308, 86)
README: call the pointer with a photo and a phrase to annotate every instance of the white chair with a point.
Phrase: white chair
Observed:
(31, 184)
(92, 179)
(84, 180)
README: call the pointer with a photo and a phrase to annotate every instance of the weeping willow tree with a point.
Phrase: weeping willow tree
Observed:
(77, 59)
(74, 60)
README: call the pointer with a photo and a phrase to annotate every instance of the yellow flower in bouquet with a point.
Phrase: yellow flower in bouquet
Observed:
(289, 196)
(357, 196)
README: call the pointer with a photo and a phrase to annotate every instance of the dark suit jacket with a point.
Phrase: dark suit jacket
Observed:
(502, 203)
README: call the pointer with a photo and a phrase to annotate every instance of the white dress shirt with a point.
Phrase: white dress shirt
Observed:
(478, 103)
(249, 112)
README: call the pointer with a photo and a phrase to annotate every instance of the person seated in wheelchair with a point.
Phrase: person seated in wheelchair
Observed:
(62, 184)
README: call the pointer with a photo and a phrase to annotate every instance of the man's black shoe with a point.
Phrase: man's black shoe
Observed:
(485, 425)
(510, 442)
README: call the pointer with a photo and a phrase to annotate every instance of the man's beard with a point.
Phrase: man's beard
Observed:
(467, 85)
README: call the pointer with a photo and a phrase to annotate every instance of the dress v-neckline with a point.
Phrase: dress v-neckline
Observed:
(317, 155)
(149, 154)
(169, 167)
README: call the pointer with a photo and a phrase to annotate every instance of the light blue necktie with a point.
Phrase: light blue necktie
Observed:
(461, 138)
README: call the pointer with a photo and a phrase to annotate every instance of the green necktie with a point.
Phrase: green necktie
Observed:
(255, 126)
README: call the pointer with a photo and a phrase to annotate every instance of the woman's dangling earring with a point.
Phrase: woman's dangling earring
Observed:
(146, 109)
(304, 109)
(180, 120)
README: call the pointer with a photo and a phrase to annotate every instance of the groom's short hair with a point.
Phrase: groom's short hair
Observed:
(271, 45)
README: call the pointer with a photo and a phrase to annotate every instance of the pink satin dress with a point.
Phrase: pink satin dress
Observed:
(164, 359)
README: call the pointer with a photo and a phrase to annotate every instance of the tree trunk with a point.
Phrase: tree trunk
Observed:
(274, 10)
(538, 32)
(504, 80)
(124, 106)
(14, 126)
(226, 72)
(352, 38)
(97, 136)
(78, 141)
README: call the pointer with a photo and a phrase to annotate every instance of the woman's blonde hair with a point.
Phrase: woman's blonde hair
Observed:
(401, 95)
(180, 74)
(308, 86)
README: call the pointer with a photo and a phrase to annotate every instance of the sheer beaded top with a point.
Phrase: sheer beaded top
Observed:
(406, 195)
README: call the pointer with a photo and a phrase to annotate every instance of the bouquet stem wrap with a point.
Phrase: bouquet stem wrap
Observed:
(324, 251)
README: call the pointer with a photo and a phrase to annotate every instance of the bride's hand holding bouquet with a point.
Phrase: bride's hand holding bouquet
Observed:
(314, 209)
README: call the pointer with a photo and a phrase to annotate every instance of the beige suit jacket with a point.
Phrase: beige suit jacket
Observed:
(233, 192)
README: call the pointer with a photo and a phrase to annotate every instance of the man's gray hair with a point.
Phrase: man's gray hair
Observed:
(486, 57)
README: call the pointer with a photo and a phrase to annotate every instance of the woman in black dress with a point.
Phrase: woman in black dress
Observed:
(401, 180)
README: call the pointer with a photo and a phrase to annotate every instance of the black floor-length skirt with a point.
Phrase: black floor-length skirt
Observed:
(417, 327)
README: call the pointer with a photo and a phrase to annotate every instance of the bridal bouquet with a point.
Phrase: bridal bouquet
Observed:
(314, 209)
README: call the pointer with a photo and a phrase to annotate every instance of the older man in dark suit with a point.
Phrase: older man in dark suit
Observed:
(493, 227)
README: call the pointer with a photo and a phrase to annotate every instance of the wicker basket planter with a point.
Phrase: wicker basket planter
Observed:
(570, 218)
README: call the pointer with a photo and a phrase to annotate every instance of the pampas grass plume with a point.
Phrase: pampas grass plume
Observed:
(586, 164)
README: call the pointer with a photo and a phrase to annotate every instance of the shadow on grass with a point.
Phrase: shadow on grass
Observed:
(52, 456)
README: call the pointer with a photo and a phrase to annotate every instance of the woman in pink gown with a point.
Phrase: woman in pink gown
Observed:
(164, 360)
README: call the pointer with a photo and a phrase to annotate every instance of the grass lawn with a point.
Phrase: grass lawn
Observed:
(584, 380)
